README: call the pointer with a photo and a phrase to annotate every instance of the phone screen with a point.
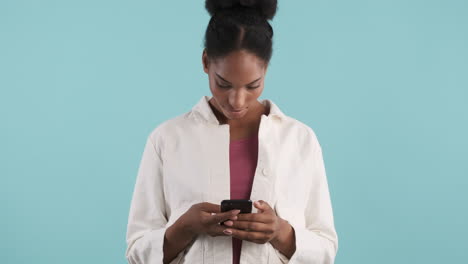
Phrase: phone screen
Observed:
(245, 206)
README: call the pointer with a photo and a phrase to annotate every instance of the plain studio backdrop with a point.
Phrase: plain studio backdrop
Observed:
(384, 84)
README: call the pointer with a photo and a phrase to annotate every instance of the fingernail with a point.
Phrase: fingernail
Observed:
(234, 217)
(236, 211)
(228, 223)
(227, 232)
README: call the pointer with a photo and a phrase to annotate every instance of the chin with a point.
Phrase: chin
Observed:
(231, 115)
(235, 117)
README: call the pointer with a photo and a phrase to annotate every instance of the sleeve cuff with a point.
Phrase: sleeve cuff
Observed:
(149, 249)
(312, 247)
(281, 256)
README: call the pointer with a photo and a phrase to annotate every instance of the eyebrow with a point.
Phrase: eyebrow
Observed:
(229, 82)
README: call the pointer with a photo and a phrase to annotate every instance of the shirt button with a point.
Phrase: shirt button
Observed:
(265, 171)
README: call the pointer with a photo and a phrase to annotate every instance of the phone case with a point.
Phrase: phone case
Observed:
(244, 205)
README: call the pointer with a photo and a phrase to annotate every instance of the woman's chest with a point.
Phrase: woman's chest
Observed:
(197, 169)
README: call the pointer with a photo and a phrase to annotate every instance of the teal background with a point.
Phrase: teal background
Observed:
(384, 84)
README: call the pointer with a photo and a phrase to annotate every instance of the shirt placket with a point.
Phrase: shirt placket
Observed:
(262, 189)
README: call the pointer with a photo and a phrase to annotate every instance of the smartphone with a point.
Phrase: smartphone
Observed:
(245, 206)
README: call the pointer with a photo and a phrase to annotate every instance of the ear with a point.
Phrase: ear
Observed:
(205, 61)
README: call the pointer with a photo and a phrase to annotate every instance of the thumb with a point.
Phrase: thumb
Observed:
(261, 205)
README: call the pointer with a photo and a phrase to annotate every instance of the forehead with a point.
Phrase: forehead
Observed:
(240, 66)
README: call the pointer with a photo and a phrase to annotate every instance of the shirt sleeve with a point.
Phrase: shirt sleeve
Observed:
(317, 242)
(147, 221)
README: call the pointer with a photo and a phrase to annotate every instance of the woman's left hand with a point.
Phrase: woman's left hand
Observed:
(260, 227)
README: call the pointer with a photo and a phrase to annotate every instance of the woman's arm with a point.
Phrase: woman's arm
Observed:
(285, 242)
(176, 239)
(200, 218)
(317, 242)
(147, 220)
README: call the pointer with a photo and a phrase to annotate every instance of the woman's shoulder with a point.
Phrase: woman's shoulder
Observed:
(299, 126)
(170, 126)
(303, 132)
(289, 123)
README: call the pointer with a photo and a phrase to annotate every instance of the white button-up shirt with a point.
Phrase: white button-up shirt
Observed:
(186, 161)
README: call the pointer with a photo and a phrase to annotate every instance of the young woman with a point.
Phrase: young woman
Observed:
(232, 146)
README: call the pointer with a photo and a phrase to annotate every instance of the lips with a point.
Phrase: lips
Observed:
(237, 113)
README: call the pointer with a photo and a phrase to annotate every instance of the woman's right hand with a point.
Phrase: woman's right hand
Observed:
(205, 218)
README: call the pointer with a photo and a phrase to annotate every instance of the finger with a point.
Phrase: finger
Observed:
(250, 226)
(256, 217)
(217, 230)
(210, 207)
(262, 206)
(221, 217)
(246, 235)
(232, 217)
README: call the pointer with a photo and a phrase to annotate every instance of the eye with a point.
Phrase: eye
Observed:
(253, 87)
(223, 86)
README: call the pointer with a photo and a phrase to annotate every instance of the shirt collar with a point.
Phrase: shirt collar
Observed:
(203, 110)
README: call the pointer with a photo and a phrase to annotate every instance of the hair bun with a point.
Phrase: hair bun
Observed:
(266, 8)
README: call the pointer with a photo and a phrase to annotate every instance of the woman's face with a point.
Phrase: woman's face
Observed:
(236, 81)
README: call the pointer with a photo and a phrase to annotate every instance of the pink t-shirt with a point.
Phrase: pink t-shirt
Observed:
(243, 155)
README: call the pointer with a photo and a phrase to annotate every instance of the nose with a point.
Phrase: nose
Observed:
(237, 100)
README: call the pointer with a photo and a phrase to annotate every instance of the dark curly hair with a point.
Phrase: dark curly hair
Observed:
(240, 25)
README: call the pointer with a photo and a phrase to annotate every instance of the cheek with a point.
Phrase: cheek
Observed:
(257, 92)
(215, 89)
(218, 93)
